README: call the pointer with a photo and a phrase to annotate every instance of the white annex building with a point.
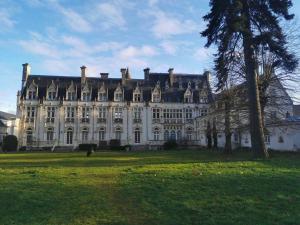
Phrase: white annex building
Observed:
(67, 111)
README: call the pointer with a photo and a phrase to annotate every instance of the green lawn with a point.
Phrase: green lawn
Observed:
(176, 187)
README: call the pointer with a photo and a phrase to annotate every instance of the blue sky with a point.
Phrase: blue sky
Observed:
(58, 36)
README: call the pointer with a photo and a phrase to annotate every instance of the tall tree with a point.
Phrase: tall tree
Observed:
(246, 25)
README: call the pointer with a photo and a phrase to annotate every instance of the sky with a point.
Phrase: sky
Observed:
(56, 37)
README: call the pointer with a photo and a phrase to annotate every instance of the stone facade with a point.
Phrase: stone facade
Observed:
(67, 111)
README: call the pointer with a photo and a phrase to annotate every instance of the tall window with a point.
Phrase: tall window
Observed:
(51, 95)
(179, 136)
(30, 112)
(70, 112)
(137, 97)
(118, 133)
(188, 98)
(50, 134)
(137, 113)
(85, 112)
(102, 134)
(85, 134)
(118, 96)
(50, 112)
(102, 96)
(166, 135)
(267, 139)
(69, 136)
(188, 113)
(102, 112)
(155, 113)
(156, 97)
(86, 96)
(71, 96)
(31, 95)
(29, 136)
(156, 134)
(137, 136)
(173, 135)
(118, 113)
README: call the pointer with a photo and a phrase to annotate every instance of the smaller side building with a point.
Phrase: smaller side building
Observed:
(8, 125)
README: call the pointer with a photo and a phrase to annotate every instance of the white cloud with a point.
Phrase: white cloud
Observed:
(109, 15)
(202, 54)
(6, 22)
(132, 52)
(166, 26)
(169, 47)
(39, 48)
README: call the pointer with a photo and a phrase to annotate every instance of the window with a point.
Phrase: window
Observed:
(29, 136)
(203, 100)
(189, 136)
(86, 96)
(50, 134)
(50, 112)
(155, 113)
(118, 113)
(137, 136)
(203, 112)
(188, 113)
(31, 95)
(102, 134)
(71, 96)
(267, 139)
(85, 112)
(102, 96)
(280, 139)
(70, 112)
(69, 136)
(85, 134)
(118, 96)
(118, 133)
(102, 112)
(137, 97)
(166, 135)
(173, 135)
(137, 113)
(30, 112)
(236, 137)
(188, 98)
(179, 136)
(155, 97)
(156, 134)
(51, 95)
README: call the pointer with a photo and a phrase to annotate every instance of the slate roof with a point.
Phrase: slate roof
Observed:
(172, 94)
(6, 116)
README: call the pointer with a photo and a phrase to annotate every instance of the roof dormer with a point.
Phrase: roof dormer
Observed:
(52, 91)
(137, 94)
(118, 94)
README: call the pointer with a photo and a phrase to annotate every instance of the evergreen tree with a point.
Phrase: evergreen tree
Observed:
(244, 26)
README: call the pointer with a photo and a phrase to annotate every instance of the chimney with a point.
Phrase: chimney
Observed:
(125, 75)
(26, 73)
(171, 76)
(83, 74)
(147, 73)
(207, 74)
(104, 75)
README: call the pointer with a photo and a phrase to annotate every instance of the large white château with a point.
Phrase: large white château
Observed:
(66, 111)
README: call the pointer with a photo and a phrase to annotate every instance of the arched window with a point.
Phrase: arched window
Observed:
(102, 134)
(50, 134)
(85, 134)
(137, 135)
(69, 136)
(156, 134)
(179, 136)
(29, 136)
(118, 133)
(173, 135)
(166, 135)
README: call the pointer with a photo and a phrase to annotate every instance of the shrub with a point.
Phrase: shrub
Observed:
(102, 145)
(86, 147)
(10, 143)
(171, 144)
(22, 149)
(115, 144)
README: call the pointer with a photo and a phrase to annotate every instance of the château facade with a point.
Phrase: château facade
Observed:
(67, 111)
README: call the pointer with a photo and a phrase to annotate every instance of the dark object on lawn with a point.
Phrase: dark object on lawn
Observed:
(22, 149)
(115, 144)
(10, 143)
(86, 147)
(89, 152)
(102, 145)
(171, 144)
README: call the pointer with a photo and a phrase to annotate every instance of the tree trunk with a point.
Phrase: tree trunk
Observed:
(228, 147)
(215, 135)
(256, 124)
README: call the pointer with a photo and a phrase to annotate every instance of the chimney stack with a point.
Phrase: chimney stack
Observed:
(104, 75)
(146, 73)
(171, 76)
(26, 73)
(125, 75)
(83, 74)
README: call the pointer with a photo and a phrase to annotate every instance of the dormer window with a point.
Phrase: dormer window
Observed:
(188, 95)
(51, 95)
(137, 97)
(51, 91)
(71, 96)
(118, 95)
(31, 95)
(102, 96)
(86, 96)
(156, 93)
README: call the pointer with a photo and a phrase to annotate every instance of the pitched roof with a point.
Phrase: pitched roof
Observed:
(6, 116)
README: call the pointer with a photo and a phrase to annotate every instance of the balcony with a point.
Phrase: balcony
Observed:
(85, 120)
(49, 120)
(155, 120)
(69, 120)
(101, 120)
(118, 120)
(137, 121)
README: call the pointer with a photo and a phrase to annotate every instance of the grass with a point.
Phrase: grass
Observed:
(176, 187)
